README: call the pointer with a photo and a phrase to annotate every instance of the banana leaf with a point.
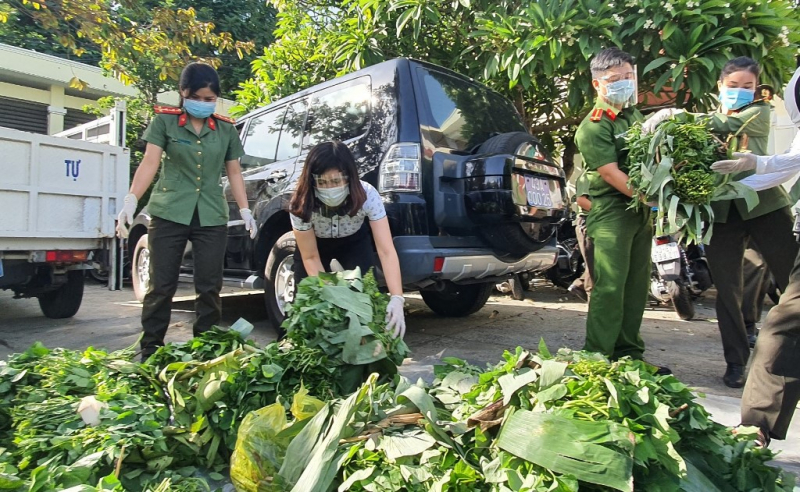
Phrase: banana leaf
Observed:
(594, 452)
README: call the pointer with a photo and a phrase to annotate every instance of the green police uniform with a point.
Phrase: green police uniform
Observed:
(187, 204)
(768, 226)
(192, 167)
(621, 238)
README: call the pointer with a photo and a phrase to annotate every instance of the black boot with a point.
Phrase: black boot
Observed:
(734, 376)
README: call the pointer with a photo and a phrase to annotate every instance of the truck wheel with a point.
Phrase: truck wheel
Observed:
(456, 300)
(279, 285)
(140, 268)
(514, 237)
(66, 300)
(681, 299)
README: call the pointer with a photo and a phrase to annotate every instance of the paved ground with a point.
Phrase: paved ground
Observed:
(692, 349)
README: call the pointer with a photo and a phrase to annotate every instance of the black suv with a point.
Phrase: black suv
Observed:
(471, 197)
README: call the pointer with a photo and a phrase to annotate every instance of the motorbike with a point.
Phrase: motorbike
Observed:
(568, 267)
(679, 274)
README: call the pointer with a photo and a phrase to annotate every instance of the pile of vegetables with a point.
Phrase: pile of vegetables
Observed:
(171, 423)
(671, 167)
(534, 422)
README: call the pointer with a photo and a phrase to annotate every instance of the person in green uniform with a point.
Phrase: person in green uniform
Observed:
(582, 286)
(621, 236)
(187, 203)
(768, 225)
(772, 391)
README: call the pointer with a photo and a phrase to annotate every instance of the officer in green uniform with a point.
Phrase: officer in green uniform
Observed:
(621, 237)
(773, 386)
(768, 225)
(187, 202)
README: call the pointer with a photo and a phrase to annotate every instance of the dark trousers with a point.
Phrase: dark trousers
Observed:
(756, 278)
(772, 234)
(587, 251)
(773, 385)
(351, 251)
(167, 242)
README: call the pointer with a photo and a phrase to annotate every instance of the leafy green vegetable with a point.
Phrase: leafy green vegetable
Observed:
(672, 167)
(178, 414)
(581, 423)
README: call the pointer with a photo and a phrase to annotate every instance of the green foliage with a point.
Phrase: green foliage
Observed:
(23, 31)
(536, 53)
(564, 422)
(672, 167)
(171, 423)
(145, 44)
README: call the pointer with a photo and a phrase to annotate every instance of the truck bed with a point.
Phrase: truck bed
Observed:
(58, 193)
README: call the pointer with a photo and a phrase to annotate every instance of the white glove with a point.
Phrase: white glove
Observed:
(249, 221)
(126, 215)
(744, 161)
(336, 266)
(395, 318)
(659, 117)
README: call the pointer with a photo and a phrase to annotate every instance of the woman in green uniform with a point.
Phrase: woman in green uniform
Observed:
(768, 225)
(187, 202)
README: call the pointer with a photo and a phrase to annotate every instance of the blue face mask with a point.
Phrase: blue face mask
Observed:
(735, 97)
(620, 92)
(199, 109)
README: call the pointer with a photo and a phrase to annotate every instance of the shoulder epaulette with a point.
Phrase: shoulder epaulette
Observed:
(764, 93)
(597, 114)
(167, 110)
(226, 119)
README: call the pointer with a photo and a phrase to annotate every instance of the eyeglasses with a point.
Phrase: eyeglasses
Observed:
(334, 181)
(616, 77)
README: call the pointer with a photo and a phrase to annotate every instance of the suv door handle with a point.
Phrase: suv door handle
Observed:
(277, 175)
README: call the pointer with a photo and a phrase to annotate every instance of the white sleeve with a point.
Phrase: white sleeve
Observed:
(373, 206)
(778, 163)
(761, 182)
(298, 224)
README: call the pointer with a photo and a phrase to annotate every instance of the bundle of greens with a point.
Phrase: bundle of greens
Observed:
(672, 168)
(542, 422)
(171, 423)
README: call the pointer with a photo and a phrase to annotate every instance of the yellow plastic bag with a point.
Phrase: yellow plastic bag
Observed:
(304, 406)
(259, 450)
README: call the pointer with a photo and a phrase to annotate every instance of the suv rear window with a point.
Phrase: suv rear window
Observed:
(460, 115)
(340, 113)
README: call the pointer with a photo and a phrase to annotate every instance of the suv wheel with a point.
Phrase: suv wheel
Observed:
(279, 285)
(511, 237)
(140, 268)
(455, 300)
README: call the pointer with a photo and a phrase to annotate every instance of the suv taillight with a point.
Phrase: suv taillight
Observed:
(400, 169)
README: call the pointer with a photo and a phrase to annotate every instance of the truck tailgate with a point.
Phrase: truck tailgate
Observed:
(58, 188)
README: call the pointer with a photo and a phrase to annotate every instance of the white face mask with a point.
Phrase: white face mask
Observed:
(332, 197)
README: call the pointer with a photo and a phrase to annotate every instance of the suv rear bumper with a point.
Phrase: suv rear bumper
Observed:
(464, 265)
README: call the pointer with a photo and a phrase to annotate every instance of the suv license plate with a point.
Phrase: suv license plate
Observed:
(665, 252)
(539, 192)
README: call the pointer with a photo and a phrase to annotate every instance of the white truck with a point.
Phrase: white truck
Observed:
(58, 203)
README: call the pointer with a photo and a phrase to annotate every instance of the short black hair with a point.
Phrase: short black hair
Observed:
(196, 76)
(609, 58)
(740, 64)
